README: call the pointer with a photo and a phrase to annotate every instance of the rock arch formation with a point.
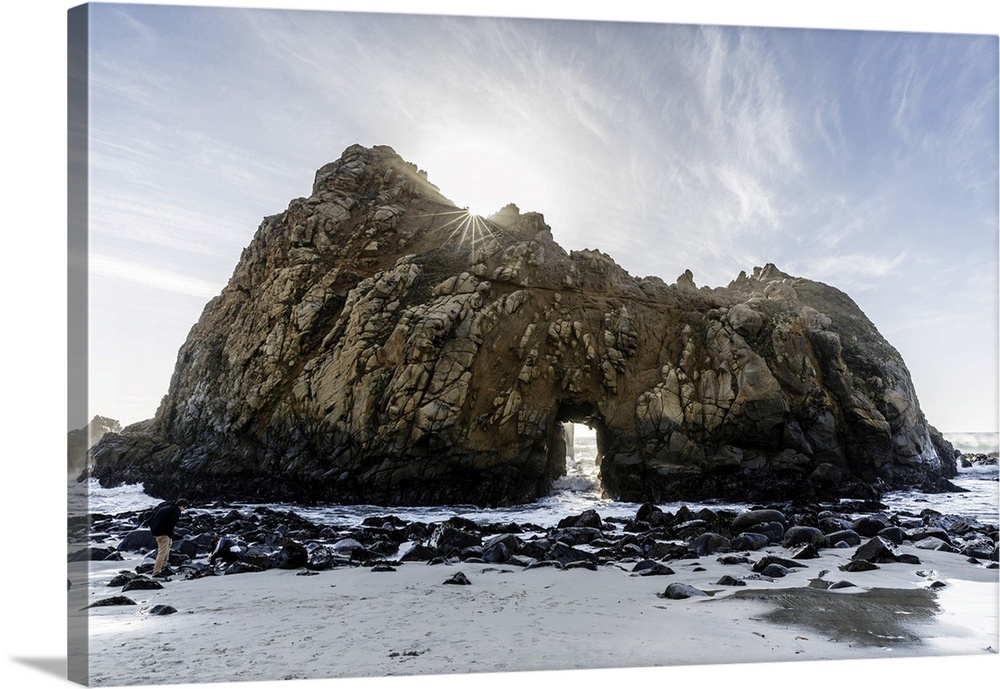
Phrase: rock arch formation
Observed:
(376, 344)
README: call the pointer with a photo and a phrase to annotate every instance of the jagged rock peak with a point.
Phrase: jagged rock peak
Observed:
(377, 344)
(769, 273)
(357, 163)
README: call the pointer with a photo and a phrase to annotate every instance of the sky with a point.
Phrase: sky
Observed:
(862, 158)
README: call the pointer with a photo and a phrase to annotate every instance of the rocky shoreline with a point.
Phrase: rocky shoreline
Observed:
(978, 459)
(646, 545)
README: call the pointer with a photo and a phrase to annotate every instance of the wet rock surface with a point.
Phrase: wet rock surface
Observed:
(378, 345)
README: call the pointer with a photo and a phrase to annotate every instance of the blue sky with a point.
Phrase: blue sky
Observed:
(865, 159)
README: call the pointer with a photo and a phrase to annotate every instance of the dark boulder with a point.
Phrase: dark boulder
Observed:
(767, 560)
(798, 535)
(96, 554)
(384, 522)
(137, 541)
(745, 520)
(321, 558)
(473, 552)
(775, 531)
(804, 551)
(869, 526)
(842, 584)
(980, 549)
(122, 578)
(565, 554)
(446, 539)
(775, 571)
(826, 475)
(384, 546)
(458, 579)
(749, 541)
(536, 549)
(832, 524)
(923, 532)
(113, 600)
(461, 523)
(643, 564)
(877, 551)
(959, 525)
(653, 516)
(498, 553)
(893, 534)
(934, 543)
(417, 532)
(512, 542)
(709, 544)
(419, 553)
(679, 591)
(846, 537)
(347, 546)
(161, 610)
(656, 569)
(690, 528)
(291, 556)
(186, 547)
(728, 580)
(141, 583)
(659, 550)
(576, 535)
(588, 519)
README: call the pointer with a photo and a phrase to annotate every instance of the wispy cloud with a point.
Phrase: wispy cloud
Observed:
(140, 273)
(744, 97)
(906, 92)
(850, 271)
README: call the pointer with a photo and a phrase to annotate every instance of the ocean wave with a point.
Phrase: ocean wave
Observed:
(974, 443)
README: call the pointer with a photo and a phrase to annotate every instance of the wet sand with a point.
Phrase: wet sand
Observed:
(878, 617)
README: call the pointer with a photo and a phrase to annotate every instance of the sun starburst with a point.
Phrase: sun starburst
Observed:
(469, 229)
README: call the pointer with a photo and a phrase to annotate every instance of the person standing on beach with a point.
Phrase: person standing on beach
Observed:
(161, 525)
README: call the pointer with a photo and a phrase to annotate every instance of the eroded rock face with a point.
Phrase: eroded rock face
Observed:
(377, 344)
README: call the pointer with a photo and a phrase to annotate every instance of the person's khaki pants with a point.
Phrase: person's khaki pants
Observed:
(162, 552)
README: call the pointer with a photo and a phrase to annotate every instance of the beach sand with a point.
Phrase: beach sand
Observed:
(355, 623)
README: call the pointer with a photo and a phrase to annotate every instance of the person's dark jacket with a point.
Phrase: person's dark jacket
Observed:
(226, 550)
(164, 520)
